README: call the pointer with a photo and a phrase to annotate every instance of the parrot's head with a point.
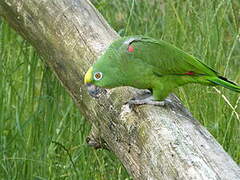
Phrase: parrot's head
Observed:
(106, 72)
(110, 69)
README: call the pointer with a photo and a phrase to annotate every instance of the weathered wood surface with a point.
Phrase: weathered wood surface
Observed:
(152, 142)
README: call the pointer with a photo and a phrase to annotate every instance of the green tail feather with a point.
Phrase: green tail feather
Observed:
(222, 81)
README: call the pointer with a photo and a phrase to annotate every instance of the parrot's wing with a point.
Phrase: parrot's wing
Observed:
(166, 58)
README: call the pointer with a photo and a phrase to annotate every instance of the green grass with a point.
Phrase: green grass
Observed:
(42, 134)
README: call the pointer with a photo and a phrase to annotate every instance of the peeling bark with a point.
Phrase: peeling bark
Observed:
(152, 142)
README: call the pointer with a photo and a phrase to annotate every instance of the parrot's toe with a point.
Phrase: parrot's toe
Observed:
(148, 100)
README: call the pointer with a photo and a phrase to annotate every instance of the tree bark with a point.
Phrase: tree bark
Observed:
(152, 142)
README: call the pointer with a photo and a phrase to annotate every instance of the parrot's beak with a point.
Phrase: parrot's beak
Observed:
(93, 90)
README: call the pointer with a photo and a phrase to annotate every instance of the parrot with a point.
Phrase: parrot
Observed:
(146, 63)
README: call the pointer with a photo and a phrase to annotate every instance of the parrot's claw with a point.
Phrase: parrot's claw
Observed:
(148, 100)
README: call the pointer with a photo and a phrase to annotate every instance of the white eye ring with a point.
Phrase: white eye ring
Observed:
(97, 76)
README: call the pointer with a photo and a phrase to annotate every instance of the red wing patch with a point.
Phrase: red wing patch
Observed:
(130, 48)
(187, 73)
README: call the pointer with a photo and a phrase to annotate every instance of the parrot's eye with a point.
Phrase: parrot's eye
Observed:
(97, 76)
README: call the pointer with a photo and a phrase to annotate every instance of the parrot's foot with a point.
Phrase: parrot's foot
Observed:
(148, 100)
(142, 94)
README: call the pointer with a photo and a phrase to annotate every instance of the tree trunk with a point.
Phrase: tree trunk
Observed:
(152, 142)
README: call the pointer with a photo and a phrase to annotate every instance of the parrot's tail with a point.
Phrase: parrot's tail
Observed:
(222, 81)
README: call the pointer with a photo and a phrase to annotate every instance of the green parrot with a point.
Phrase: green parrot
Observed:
(145, 63)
